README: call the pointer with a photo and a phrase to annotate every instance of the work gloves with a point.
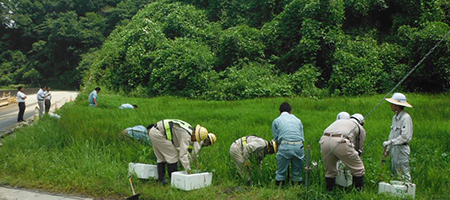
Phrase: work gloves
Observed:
(387, 143)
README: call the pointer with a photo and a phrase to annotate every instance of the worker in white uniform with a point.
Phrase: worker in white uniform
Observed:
(21, 100)
(40, 98)
(170, 139)
(246, 148)
(344, 140)
(400, 137)
(128, 106)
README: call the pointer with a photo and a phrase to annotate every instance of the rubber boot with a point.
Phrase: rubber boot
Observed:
(172, 168)
(280, 183)
(358, 181)
(162, 173)
(297, 183)
(331, 182)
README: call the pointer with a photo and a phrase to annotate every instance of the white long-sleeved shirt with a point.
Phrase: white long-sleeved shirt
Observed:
(40, 95)
(21, 96)
(126, 106)
(48, 95)
(401, 129)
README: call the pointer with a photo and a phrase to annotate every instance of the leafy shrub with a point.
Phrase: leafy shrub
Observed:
(248, 80)
(237, 43)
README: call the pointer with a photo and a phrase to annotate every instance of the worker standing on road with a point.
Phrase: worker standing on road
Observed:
(128, 106)
(344, 140)
(48, 99)
(400, 136)
(246, 148)
(166, 137)
(93, 97)
(40, 98)
(287, 132)
(194, 147)
(21, 100)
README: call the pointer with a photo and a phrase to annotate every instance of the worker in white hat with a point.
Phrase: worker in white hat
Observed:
(245, 148)
(344, 140)
(170, 139)
(343, 115)
(195, 147)
(400, 136)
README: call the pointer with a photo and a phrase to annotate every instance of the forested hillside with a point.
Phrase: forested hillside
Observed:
(232, 49)
(44, 40)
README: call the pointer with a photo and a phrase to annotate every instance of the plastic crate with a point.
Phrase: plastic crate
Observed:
(184, 181)
(143, 171)
(397, 188)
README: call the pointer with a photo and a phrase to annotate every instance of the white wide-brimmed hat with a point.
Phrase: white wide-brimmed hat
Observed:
(398, 99)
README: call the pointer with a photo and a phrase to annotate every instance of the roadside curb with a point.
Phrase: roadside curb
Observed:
(8, 193)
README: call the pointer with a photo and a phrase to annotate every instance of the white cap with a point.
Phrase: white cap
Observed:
(398, 99)
(343, 115)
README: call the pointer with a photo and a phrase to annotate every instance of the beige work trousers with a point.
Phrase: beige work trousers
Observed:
(237, 155)
(344, 151)
(164, 150)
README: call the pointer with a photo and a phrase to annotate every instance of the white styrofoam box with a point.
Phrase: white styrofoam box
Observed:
(143, 171)
(397, 188)
(344, 177)
(183, 180)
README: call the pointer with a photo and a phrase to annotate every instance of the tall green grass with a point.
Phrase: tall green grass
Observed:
(81, 153)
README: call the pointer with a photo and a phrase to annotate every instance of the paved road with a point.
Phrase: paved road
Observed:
(8, 114)
(22, 194)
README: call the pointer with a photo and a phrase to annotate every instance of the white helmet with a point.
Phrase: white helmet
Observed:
(343, 115)
(359, 118)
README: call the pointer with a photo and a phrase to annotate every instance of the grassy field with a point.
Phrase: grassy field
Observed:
(82, 154)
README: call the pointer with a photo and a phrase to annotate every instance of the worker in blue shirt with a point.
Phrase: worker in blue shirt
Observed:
(288, 134)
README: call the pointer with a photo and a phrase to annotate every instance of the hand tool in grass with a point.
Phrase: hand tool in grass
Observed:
(383, 161)
(308, 167)
(135, 196)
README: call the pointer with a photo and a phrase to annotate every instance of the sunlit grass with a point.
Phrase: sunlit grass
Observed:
(82, 153)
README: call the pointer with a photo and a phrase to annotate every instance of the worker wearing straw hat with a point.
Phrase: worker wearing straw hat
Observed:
(400, 137)
(167, 136)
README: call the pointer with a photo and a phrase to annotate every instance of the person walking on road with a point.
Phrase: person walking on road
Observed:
(40, 98)
(93, 97)
(21, 100)
(166, 137)
(400, 137)
(48, 100)
(287, 132)
(344, 140)
(246, 148)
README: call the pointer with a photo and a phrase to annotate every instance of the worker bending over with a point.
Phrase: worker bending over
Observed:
(287, 132)
(128, 106)
(166, 137)
(344, 140)
(246, 148)
(400, 136)
(139, 132)
(194, 147)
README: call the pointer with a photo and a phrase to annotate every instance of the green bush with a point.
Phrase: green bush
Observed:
(247, 80)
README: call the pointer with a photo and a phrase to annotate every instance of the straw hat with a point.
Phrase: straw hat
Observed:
(398, 99)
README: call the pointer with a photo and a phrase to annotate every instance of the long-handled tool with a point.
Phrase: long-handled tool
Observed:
(135, 196)
(383, 161)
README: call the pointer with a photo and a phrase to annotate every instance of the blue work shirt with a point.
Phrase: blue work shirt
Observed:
(140, 133)
(287, 127)
(92, 96)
